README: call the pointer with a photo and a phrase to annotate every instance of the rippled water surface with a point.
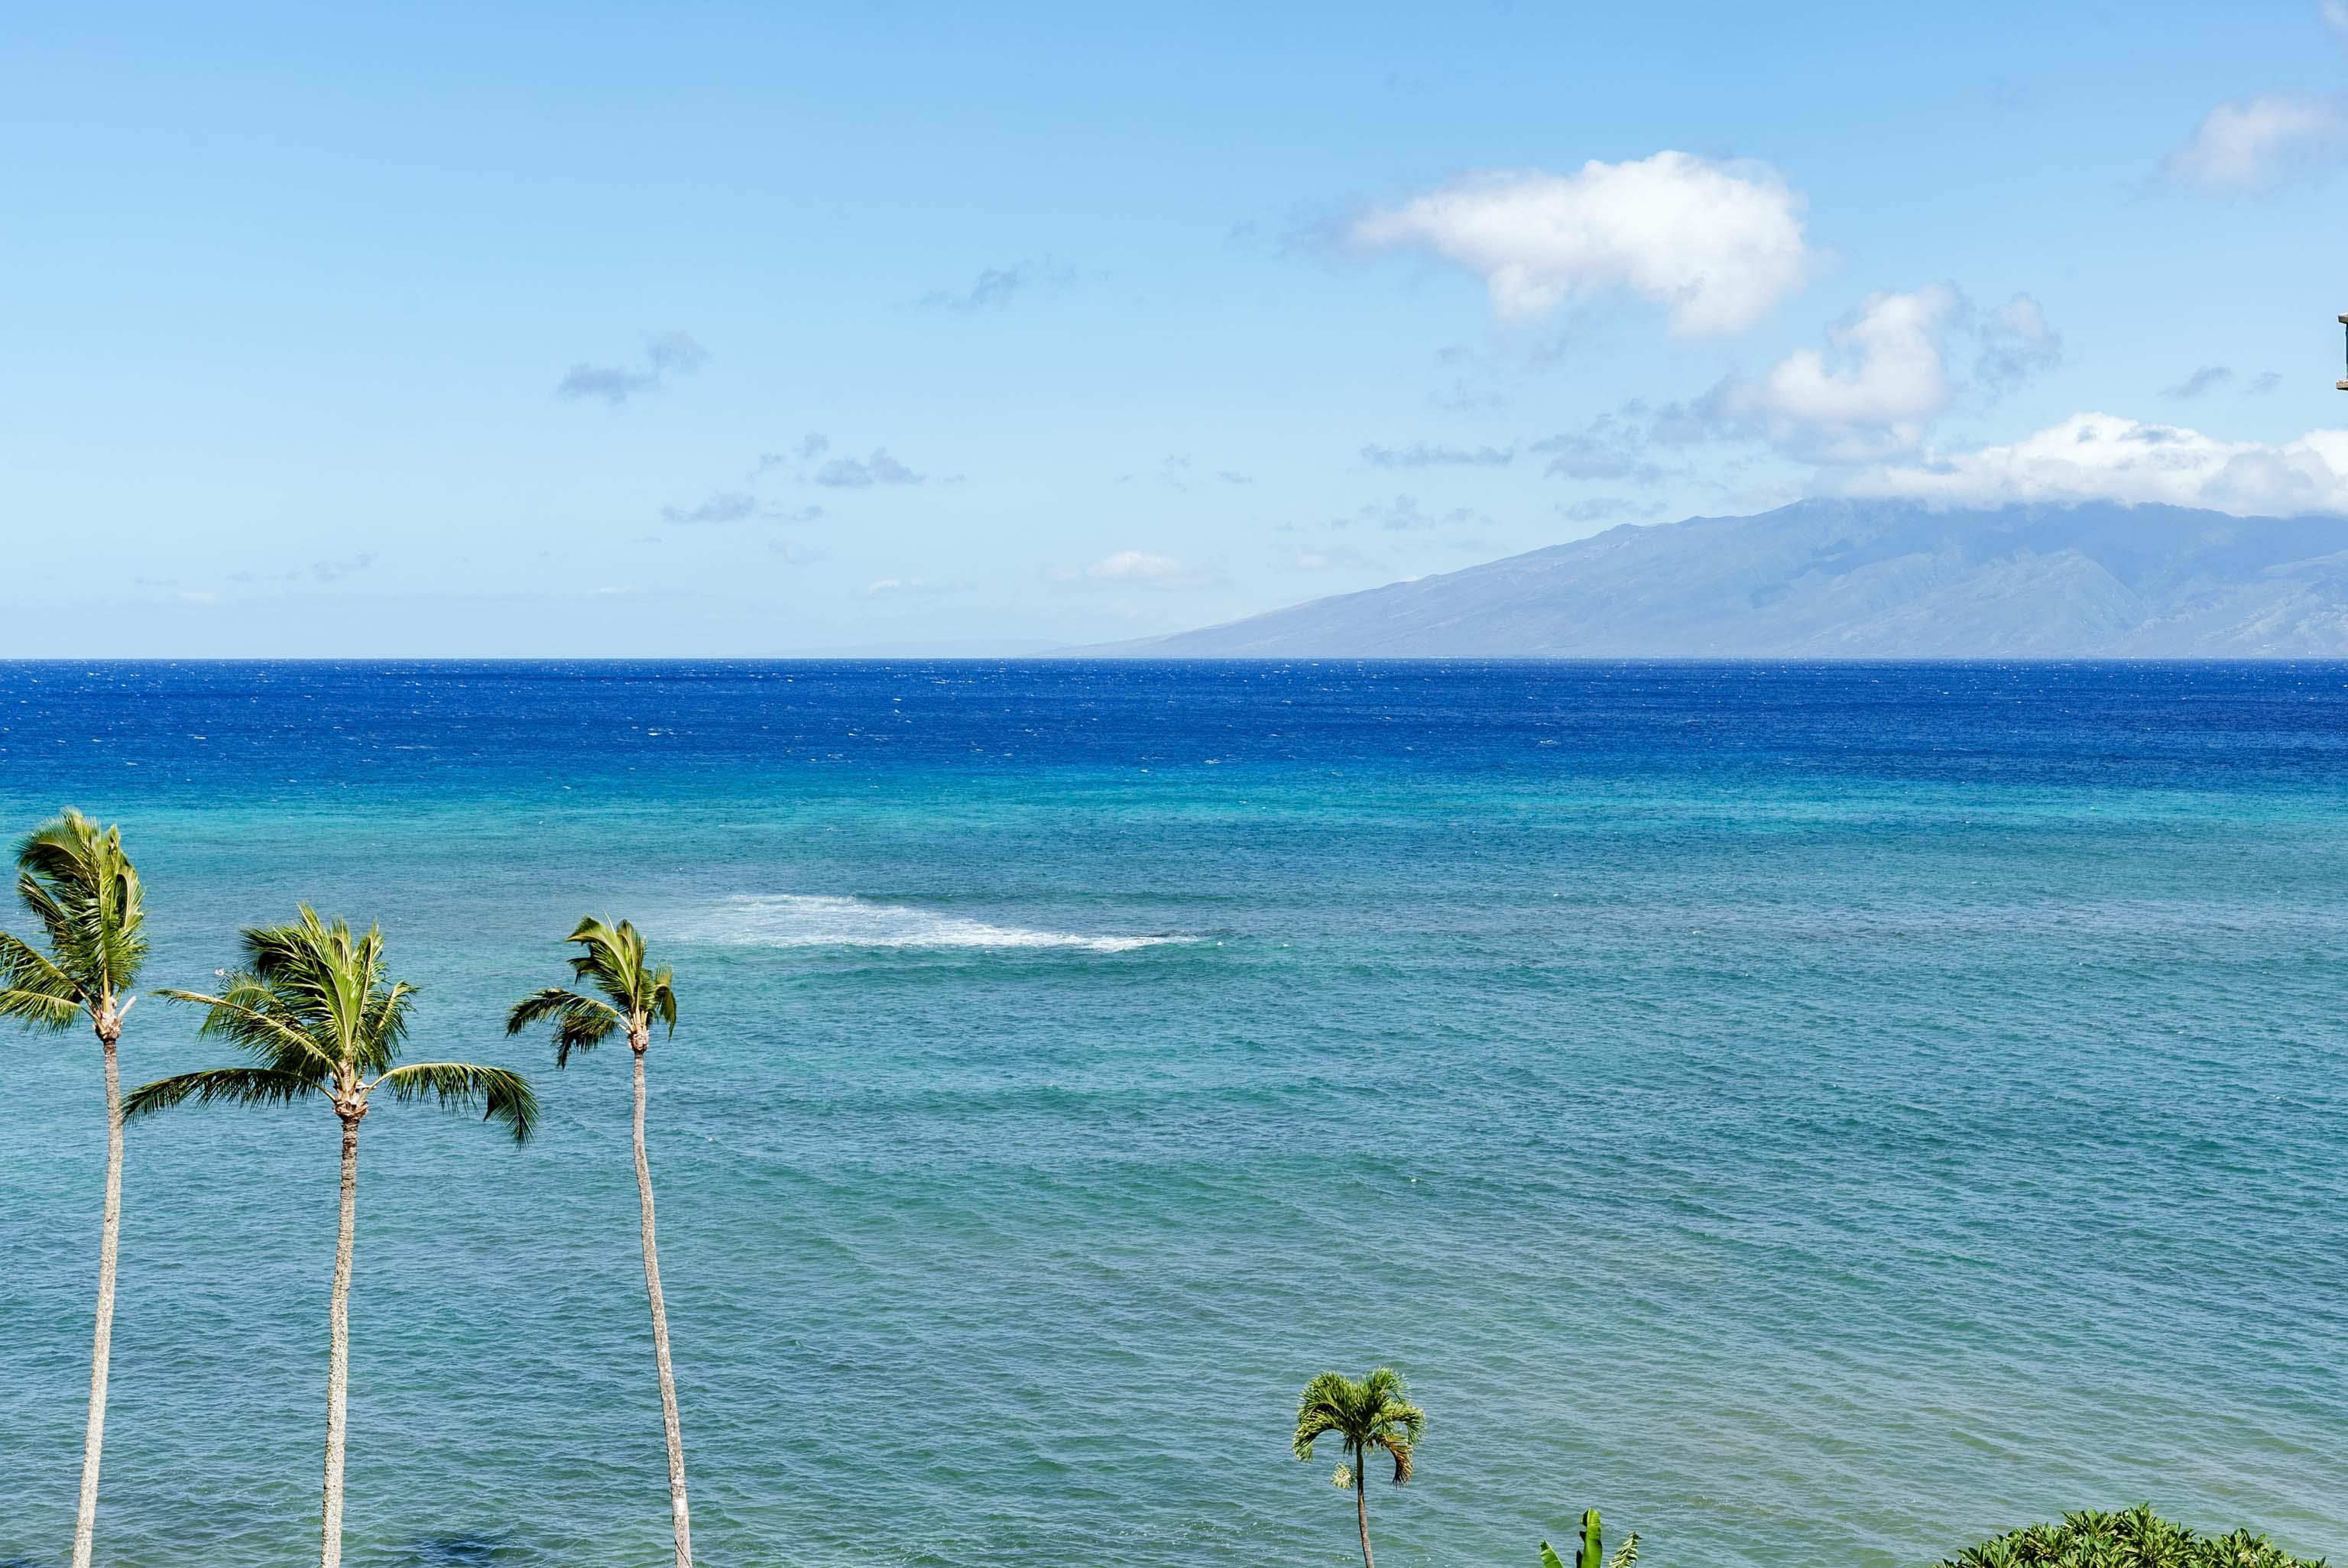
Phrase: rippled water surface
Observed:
(1819, 1115)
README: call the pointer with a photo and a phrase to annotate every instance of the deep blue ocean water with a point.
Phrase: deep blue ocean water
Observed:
(1818, 1114)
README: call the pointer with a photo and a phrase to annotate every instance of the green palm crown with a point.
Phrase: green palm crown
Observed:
(75, 880)
(634, 995)
(1374, 1414)
(317, 1012)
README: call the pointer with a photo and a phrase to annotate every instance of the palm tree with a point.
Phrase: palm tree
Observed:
(81, 887)
(635, 996)
(318, 1015)
(1375, 1413)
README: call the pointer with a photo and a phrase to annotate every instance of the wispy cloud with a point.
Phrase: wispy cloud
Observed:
(728, 506)
(913, 588)
(1614, 447)
(1422, 455)
(335, 571)
(1172, 473)
(1608, 510)
(2208, 378)
(665, 355)
(2254, 144)
(1403, 514)
(997, 287)
(734, 507)
(1136, 568)
(856, 473)
(1178, 472)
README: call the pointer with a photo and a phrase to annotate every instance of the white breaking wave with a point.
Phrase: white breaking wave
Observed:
(801, 920)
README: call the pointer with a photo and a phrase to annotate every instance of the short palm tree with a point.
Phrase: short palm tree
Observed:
(634, 996)
(74, 877)
(319, 1015)
(1374, 1413)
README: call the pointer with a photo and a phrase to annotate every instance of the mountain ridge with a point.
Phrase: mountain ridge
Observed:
(1844, 578)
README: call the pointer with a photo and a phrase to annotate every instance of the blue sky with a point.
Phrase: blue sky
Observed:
(747, 330)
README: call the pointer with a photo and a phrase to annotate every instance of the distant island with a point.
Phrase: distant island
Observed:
(1851, 580)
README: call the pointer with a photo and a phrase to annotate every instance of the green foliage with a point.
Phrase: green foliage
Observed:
(75, 880)
(1592, 1553)
(610, 960)
(317, 1012)
(2137, 1538)
(1374, 1414)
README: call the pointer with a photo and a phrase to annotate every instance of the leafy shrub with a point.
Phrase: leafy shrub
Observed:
(2138, 1538)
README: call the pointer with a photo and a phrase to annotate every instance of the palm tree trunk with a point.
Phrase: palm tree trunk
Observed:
(102, 1349)
(681, 1515)
(1362, 1509)
(338, 1358)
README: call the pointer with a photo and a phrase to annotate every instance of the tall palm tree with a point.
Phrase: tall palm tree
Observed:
(611, 960)
(319, 1016)
(1375, 1413)
(74, 877)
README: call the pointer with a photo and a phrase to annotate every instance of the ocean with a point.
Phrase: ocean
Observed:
(1815, 1114)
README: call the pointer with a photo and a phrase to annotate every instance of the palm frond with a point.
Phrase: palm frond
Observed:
(1626, 1555)
(1374, 1413)
(1321, 1411)
(334, 979)
(36, 1010)
(503, 1097)
(35, 991)
(24, 967)
(664, 998)
(75, 880)
(580, 1023)
(612, 959)
(254, 1017)
(235, 1085)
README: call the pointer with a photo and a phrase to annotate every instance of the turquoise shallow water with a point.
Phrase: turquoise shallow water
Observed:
(1819, 1115)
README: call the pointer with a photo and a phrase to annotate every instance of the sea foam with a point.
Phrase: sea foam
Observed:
(810, 920)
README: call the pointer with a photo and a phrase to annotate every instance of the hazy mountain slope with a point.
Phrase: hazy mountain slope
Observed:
(1854, 579)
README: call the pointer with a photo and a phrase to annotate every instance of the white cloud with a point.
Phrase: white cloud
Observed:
(1887, 380)
(1131, 566)
(2103, 457)
(2336, 17)
(1716, 244)
(2252, 143)
(1889, 370)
